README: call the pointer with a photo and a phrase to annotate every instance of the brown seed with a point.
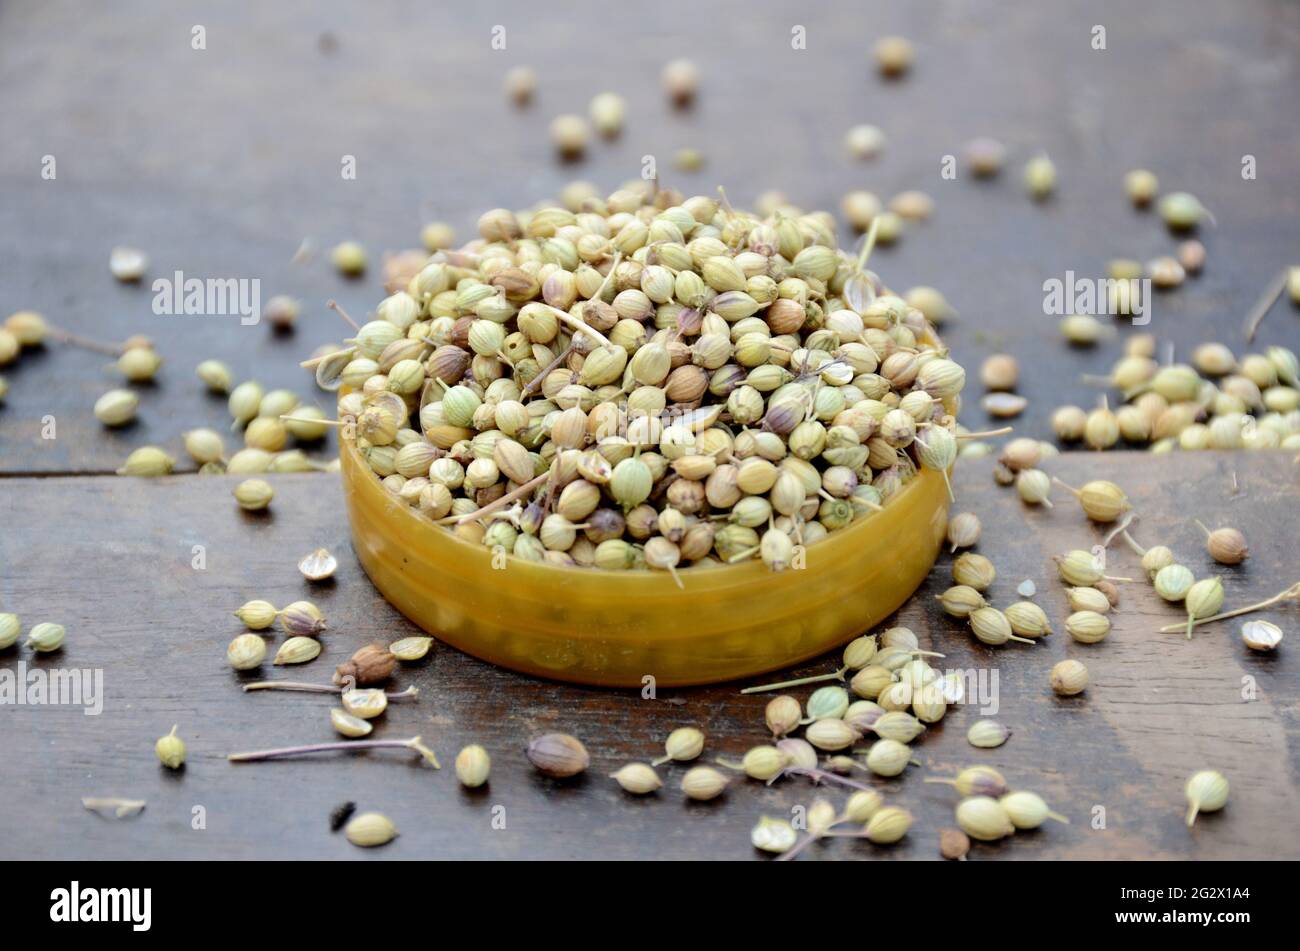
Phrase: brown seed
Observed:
(1227, 546)
(1000, 372)
(558, 755)
(372, 664)
(953, 844)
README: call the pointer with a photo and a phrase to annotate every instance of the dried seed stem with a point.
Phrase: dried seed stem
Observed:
(302, 687)
(1133, 544)
(63, 336)
(1265, 304)
(1120, 529)
(573, 323)
(838, 675)
(819, 776)
(350, 746)
(498, 503)
(334, 306)
(1290, 594)
(988, 432)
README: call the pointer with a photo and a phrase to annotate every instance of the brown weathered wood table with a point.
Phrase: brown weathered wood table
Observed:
(221, 161)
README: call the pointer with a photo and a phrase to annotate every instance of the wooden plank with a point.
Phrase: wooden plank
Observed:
(112, 559)
(219, 162)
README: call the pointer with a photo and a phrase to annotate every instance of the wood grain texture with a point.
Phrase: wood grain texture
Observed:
(220, 162)
(112, 560)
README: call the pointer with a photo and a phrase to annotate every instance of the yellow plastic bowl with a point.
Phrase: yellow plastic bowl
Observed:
(618, 628)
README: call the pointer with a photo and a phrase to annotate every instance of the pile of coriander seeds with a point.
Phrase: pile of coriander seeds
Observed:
(647, 380)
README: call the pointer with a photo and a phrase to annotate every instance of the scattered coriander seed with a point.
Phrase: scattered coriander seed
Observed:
(960, 600)
(963, 530)
(895, 725)
(864, 141)
(46, 637)
(703, 783)
(569, 133)
(1206, 791)
(889, 228)
(912, 205)
(139, 364)
(257, 615)
(1101, 501)
(859, 652)
(349, 259)
(1069, 678)
(1034, 487)
(773, 835)
(1204, 599)
(1227, 546)
(893, 56)
(318, 565)
(127, 264)
(297, 650)
(302, 619)
(411, 648)
(1141, 186)
(931, 302)
(1027, 810)
(689, 159)
(683, 745)
(637, 778)
(607, 110)
(862, 805)
(974, 571)
(984, 818)
(1004, 405)
(281, 312)
(246, 652)
(171, 750)
(253, 495)
(1079, 568)
(1082, 330)
(1257, 635)
(1068, 423)
(521, 84)
(148, 462)
(473, 766)
(558, 755)
(369, 665)
(1173, 581)
(984, 156)
(27, 327)
(1000, 372)
(888, 825)
(953, 844)
(783, 714)
(860, 208)
(244, 402)
(370, 829)
(1182, 211)
(987, 734)
(887, 757)
(116, 407)
(347, 724)
(827, 703)
(990, 626)
(365, 703)
(681, 81)
(1087, 627)
(1027, 619)
(830, 735)
(1087, 599)
(1191, 255)
(10, 630)
(765, 762)
(1040, 177)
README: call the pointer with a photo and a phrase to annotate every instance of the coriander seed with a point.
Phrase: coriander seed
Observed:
(1206, 791)
(987, 734)
(171, 750)
(637, 778)
(703, 783)
(558, 755)
(473, 766)
(1069, 678)
(116, 407)
(45, 638)
(984, 818)
(246, 652)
